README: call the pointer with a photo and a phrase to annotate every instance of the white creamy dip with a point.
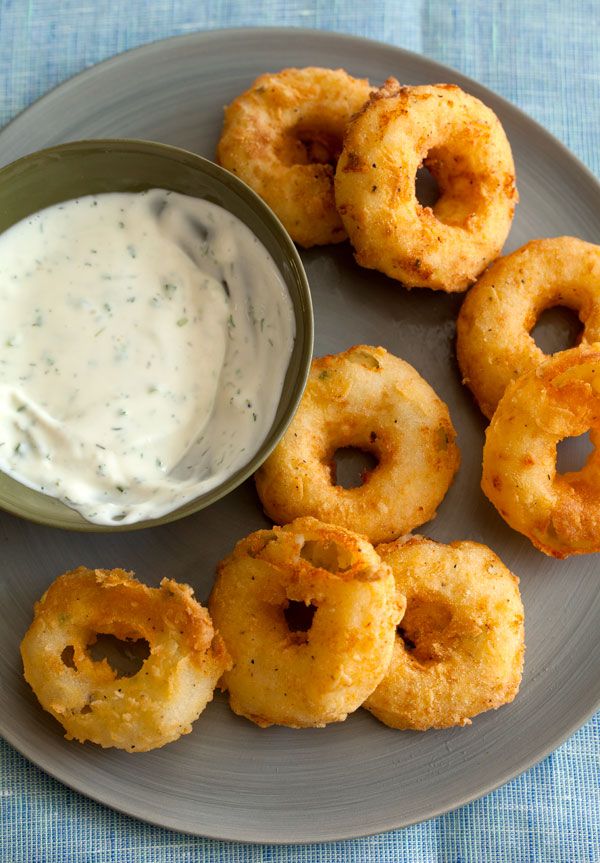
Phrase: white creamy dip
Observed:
(144, 340)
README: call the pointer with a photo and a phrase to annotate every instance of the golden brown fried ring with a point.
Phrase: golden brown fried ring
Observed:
(494, 345)
(308, 613)
(559, 513)
(370, 400)
(137, 713)
(459, 647)
(462, 144)
(283, 137)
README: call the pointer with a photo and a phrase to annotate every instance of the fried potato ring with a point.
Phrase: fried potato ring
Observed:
(462, 144)
(494, 345)
(136, 713)
(459, 647)
(308, 613)
(283, 137)
(370, 400)
(559, 513)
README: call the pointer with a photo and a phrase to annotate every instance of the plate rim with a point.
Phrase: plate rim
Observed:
(193, 38)
(148, 47)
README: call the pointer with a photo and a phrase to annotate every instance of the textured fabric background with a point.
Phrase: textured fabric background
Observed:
(545, 57)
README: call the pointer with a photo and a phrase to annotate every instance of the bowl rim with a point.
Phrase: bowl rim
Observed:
(302, 310)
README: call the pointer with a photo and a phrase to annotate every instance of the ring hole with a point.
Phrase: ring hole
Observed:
(299, 616)
(320, 146)
(124, 657)
(422, 628)
(351, 466)
(557, 329)
(327, 555)
(573, 452)
(427, 190)
(68, 656)
(408, 642)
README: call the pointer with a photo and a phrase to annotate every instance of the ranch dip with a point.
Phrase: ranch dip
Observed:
(144, 340)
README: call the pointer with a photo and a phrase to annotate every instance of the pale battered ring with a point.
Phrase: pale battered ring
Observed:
(368, 399)
(137, 713)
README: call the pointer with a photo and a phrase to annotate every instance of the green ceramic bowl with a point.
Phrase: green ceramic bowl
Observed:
(90, 167)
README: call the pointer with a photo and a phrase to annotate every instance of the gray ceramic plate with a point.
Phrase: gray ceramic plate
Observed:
(229, 779)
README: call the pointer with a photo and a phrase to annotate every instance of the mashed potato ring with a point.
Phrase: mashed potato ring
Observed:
(459, 647)
(559, 513)
(322, 669)
(157, 704)
(283, 137)
(494, 345)
(368, 399)
(461, 142)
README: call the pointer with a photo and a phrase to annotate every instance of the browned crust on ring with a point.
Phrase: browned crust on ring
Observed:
(316, 674)
(494, 343)
(137, 713)
(461, 142)
(283, 136)
(460, 645)
(560, 398)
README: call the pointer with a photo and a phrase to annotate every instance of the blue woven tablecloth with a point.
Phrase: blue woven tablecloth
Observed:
(545, 57)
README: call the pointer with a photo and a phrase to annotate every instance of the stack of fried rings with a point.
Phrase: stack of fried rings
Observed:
(406, 427)
(457, 651)
(310, 613)
(284, 137)
(332, 571)
(396, 131)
